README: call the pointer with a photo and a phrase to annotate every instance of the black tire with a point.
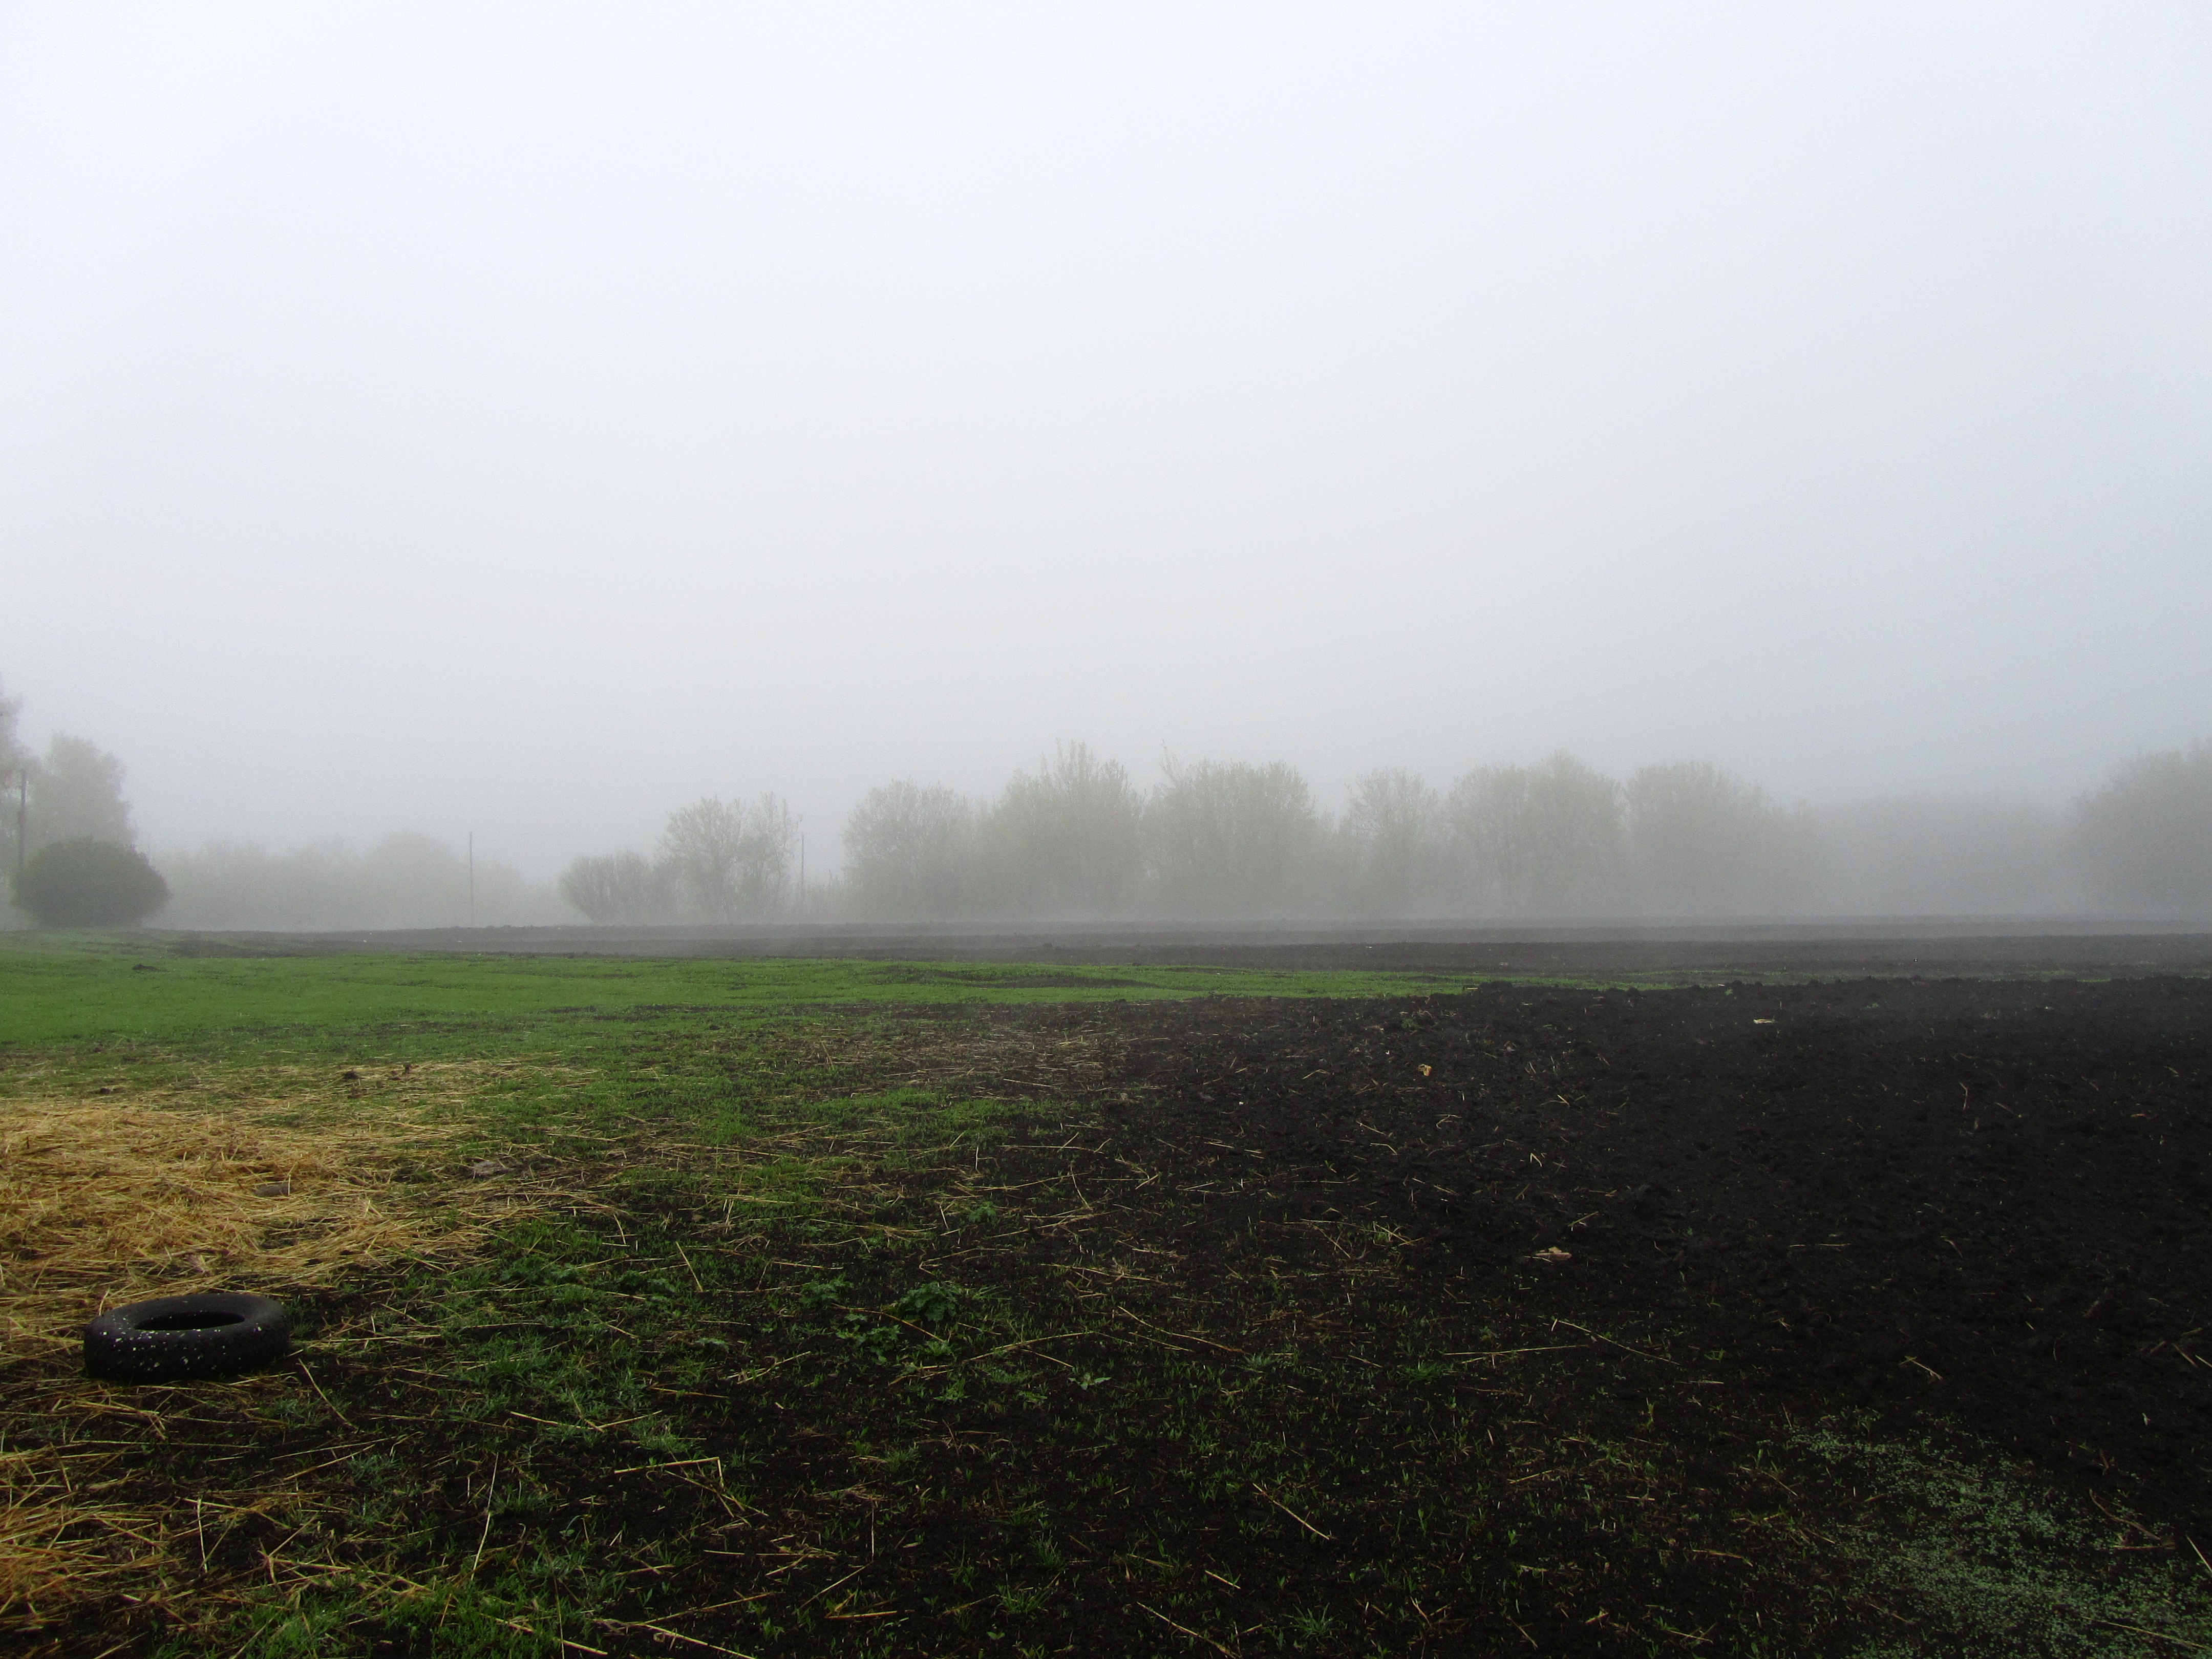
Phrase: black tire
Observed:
(183, 1339)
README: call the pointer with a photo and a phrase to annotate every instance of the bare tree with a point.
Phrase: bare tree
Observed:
(730, 861)
(769, 857)
(1394, 831)
(1703, 841)
(2143, 840)
(910, 853)
(1065, 842)
(1233, 839)
(618, 887)
(1538, 840)
(701, 848)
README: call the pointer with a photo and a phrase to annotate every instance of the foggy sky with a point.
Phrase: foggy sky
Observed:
(527, 418)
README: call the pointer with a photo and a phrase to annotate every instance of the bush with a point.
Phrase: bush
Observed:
(89, 884)
(621, 887)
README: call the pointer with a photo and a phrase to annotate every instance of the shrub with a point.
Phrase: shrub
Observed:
(89, 884)
(619, 887)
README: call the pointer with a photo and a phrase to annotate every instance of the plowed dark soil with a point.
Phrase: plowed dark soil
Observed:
(1990, 1201)
(1472, 1322)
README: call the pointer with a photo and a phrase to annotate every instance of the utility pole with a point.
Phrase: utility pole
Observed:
(22, 819)
(472, 878)
(802, 875)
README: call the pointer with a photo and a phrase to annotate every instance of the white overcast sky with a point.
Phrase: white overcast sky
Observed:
(531, 417)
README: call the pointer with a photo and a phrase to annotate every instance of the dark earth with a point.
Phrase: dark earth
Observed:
(1991, 1200)
(1979, 1209)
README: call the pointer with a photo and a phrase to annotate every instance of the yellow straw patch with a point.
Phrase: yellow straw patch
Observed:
(104, 1202)
(267, 1181)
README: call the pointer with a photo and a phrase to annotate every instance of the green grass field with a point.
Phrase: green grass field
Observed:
(69, 989)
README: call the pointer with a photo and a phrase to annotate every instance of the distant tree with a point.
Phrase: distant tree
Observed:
(1233, 839)
(1703, 841)
(76, 794)
(1394, 829)
(910, 854)
(16, 766)
(12, 752)
(767, 863)
(2143, 840)
(702, 847)
(406, 880)
(1065, 841)
(1942, 855)
(618, 888)
(1538, 840)
(85, 883)
(731, 860)
(244, 885)
(409, 871)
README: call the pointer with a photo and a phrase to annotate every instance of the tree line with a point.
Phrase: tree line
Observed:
(70, 851)
(405, 879)
(1075, 837)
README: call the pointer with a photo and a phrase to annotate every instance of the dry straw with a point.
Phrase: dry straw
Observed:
(271, 1182)
(282, 1185)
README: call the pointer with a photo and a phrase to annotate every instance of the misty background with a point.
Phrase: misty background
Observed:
(1077, 838)
(537, 422)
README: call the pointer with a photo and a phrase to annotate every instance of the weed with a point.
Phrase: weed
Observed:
(1311, 1623)
(1020, 1600)
(1972, 1548)
(932, 1305)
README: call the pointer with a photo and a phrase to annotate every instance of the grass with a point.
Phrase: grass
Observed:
(810, 1309)
(68, 989)
(1975, 1545)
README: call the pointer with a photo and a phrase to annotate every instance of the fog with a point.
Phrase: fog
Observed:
(530, 421)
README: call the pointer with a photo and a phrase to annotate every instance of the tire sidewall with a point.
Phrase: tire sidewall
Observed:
(118, 1345)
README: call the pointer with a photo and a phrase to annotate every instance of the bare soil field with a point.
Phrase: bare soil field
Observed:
(1602, 1321)
(1672, 1237)
(1990, 1201)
